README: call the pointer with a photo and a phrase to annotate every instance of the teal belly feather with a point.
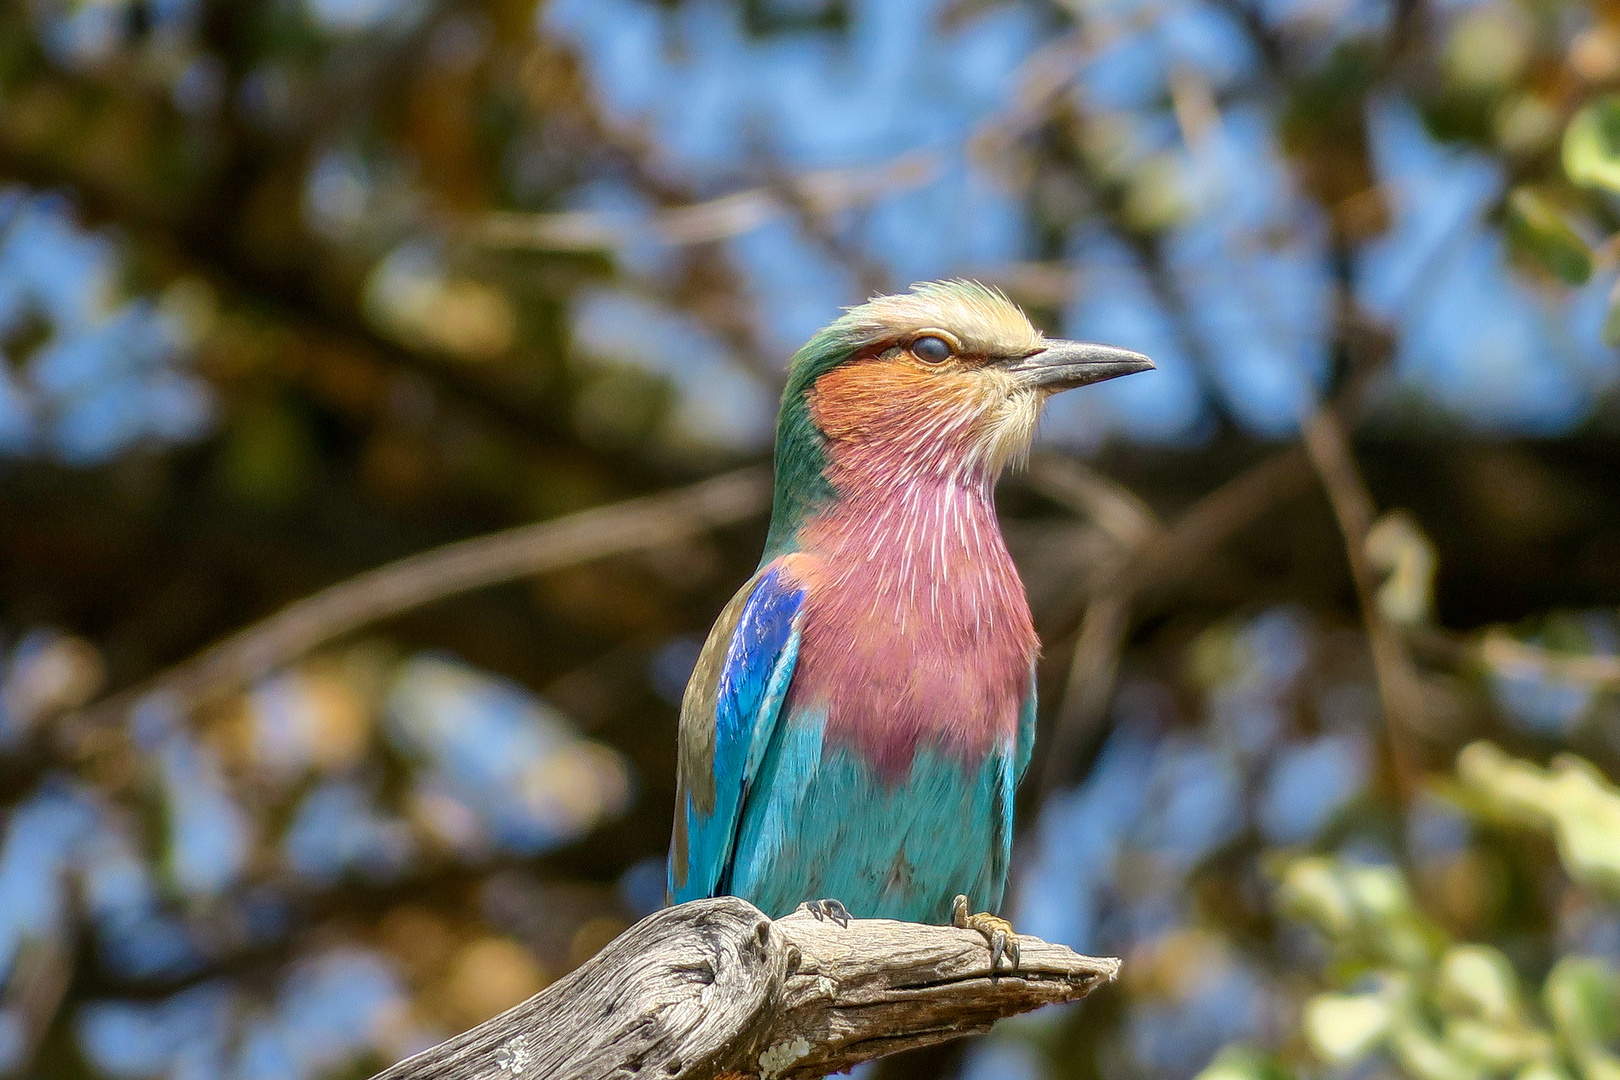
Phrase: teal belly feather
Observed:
(821, 823)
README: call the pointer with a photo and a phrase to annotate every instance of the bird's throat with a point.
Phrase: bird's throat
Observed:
(917, 633)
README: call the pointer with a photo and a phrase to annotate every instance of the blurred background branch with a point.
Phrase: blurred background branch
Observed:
(825, 193)
(653, 521)
(1331, 456)
(1153, 560)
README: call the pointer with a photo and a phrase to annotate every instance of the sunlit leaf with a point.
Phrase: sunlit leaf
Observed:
(1367, 910)
(1478, 981)
(1592, 145)
(1313, 892)
(1540, 231)
(1397, 546)
(1494, 1046)
(1425, 1057)
(1542, 1070)
(1583, 998)
(1488, 47)
(1155, 195)
(1485, 1020)
(1343, 1028)
(1573, 798)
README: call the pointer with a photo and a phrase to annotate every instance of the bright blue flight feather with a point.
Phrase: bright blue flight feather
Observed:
(752, 683)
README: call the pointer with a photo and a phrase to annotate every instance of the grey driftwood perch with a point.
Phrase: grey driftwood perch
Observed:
(713, 989)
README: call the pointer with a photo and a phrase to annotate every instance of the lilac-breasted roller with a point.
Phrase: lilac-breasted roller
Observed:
(864, 707)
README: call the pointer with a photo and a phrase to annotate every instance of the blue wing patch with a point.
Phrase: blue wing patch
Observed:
(752, 681)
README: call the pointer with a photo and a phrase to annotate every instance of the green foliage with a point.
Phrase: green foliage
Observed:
(1611, 320)
(1592, 145)
(1540, 231)
(1583, 998)
(1366, 912)
(1245, 1063)
(1591, 158)
(1444, 1010)
(1572, 798)
(267, 459)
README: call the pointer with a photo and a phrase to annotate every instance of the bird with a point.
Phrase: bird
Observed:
(861, 713)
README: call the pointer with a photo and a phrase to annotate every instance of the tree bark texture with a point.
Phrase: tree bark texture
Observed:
(713, 988)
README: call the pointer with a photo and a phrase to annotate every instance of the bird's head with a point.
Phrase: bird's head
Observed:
(946, 380)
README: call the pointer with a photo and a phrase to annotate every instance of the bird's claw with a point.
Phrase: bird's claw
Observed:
(828, 909)
(998, 934)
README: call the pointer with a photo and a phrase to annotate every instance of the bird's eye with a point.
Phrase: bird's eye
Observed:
(931, 349)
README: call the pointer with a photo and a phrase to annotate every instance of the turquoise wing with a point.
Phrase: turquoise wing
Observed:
(728, 716)
(1026, 734)
(1017, 766)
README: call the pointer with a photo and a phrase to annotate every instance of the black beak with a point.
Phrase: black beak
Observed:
(1064, 365)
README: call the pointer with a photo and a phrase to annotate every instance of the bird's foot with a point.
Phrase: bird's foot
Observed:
(828, 909)
(998, 934)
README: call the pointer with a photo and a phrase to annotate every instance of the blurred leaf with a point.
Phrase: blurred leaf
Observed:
(1425, 1056)
(411, 296)
(619, 405)
(1583, 998)
(1344, 1028)
(1611, 318)
(1155, 194)
(269, 454)
(1592, 145)
(1215, 655)
(1244, 1063)
(1495, 1047)
(1540, 231)
(1488, 47)
(1478, 981)
(1526, 124)
(1312, 891)
(1390, 922)
(490, 975)
(1397, 547)
(1367, 910)
(1542, 1070)
(1572, 797)
(1485, 1020)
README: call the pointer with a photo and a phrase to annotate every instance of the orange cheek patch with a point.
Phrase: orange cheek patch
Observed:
(875, 396)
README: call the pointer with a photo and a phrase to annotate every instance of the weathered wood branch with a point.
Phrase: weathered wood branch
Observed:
(713, 989)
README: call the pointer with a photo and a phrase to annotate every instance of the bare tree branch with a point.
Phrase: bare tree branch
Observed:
(1398, 685)
(1499, 651)
(821, 193)
(1115, 508)
(1161, 559)
(39, 981)
(635, 525)
(713, 988)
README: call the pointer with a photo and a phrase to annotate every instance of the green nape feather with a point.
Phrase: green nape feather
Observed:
(801, 457)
